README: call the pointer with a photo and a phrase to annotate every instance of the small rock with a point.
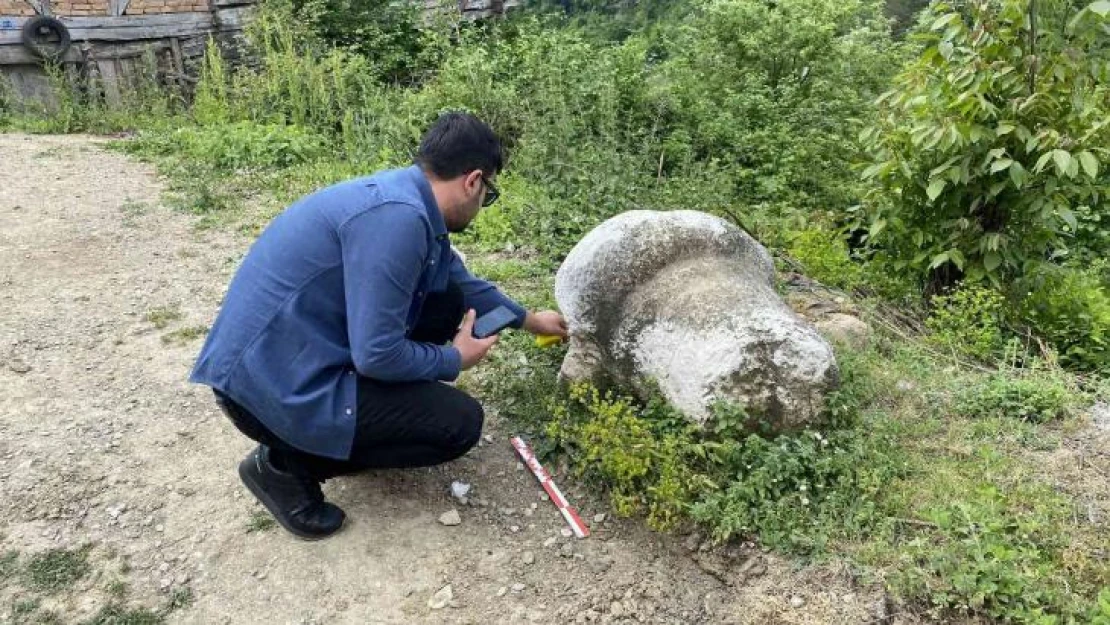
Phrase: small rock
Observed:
(514, 528)
(488, 438)
(529, 512)
(692, 542)
(459, 490)
(159, 528)
(599, 517)
(616, 609)
(550, 541)
(18, 366)
(451, 517)
(502, 591)
(517, 587)
(567, 551)
(507, 511)
(797, 602)
(566, 532)
(442, 598)
(528, 557)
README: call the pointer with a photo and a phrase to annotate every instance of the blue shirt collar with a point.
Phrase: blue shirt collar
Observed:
(439, 228)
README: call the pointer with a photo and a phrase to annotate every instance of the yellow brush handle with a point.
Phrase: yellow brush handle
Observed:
(547, 340)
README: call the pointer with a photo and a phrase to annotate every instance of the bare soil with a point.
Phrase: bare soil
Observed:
(103, 442)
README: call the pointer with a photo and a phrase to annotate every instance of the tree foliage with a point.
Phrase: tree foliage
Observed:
(989, 157)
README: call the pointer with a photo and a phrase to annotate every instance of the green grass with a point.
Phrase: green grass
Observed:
(116, 614)
(58, 569)
(260, 522)
(182, 336)
(162, 317)
(117, 589)
(9, 564)
(180, 598)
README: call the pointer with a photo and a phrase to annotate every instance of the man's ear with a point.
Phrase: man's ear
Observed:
(472, 182)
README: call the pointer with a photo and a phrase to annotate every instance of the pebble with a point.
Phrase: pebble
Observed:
(159, 528)
(616, 609)
(459, 490)
(442, 598)
(566, 532)
(567, 550)
(550, 541)
(18, 366)
(528, 557)
(502, 591)
(517, 587)
(514, 528)
(451, 517)
(507, 511)
(797, 602)
(599, 517)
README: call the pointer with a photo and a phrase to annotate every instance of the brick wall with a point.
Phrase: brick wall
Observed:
(16, 8)
(69, 8)
(149, 7)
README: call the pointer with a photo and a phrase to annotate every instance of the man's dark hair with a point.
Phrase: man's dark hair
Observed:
(457, 144)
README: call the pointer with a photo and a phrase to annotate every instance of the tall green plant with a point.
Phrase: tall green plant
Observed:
(990, 151)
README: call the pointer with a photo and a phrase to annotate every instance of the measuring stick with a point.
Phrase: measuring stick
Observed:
(569, 513)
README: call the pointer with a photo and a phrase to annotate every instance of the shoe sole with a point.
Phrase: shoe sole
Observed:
(260, 494)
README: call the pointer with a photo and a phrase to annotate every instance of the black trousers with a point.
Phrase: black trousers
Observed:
(400, 425)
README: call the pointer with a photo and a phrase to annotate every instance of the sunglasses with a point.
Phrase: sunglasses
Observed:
(491, 192)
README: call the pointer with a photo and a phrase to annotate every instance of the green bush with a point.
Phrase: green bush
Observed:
(643, 455)
(969, 321)
(987, 152)
(240, 145)
(795, 492)
(825, 256)
(1036, 399)
(1071, 309)
(990, 557)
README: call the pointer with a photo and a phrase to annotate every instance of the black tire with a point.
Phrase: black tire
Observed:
(46, 37)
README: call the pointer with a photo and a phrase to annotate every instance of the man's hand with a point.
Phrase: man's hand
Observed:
(547, 323)
(471, 349)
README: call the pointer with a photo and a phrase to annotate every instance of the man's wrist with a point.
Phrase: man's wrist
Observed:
(529, 322)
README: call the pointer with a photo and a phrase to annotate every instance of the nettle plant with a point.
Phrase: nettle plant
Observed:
(989, 155)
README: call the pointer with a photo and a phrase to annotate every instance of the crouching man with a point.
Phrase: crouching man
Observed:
(331, 347)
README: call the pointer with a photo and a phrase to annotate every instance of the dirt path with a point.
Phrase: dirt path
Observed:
(103, 442)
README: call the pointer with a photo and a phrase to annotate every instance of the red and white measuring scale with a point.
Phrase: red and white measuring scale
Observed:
(569, 513)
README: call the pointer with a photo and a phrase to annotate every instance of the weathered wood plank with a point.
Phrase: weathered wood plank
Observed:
(128, 28)
(233, 18)
(18, 55)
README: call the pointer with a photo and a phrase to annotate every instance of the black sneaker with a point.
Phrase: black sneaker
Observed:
(297, 502)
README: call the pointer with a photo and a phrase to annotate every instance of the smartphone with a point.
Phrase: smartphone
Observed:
(493, 322)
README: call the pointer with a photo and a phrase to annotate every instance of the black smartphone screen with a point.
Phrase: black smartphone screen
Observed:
(493, 322)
